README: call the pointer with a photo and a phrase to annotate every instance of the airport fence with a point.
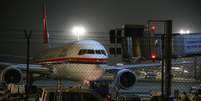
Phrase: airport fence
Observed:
(184, 76)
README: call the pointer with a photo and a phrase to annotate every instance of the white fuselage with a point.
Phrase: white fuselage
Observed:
(77, 72)
(81, 60)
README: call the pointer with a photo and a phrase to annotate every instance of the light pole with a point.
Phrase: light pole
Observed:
(78, 31)
(166, 82)
(27, 89)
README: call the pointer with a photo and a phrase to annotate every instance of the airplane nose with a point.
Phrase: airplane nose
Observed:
(97, 73)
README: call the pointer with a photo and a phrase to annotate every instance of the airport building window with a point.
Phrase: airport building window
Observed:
(118, 50)
(112, 36)
(119, 37)
(112, 51)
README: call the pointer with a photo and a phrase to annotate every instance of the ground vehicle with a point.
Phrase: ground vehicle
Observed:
(70, 94)
(129, 98)
(151, 75)
(16, 88)
(3, 91)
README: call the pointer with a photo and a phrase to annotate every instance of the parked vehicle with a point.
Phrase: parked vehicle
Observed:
(151, 75)
(68, 94)
(4, 93)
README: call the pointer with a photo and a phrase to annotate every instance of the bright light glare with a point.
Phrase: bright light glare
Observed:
(184, 31)
(78, 31)
(187, 31)
(177, 68)
(185, 71)
(181, 31)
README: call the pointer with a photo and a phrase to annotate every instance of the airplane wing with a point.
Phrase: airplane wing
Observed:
(33, 68)
(15, 73)
(125, 76)
(110, 69)
(114, 69)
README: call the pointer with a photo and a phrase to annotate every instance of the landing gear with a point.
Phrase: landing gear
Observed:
(60, 88)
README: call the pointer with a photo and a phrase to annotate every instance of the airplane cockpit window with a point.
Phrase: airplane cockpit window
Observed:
(103, 52)
(82, 52)
(98, 52)
(86, 51)
(90, 51)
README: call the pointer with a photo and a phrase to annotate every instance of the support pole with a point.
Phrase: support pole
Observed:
(195, 68)
(166, 78)
(162, 67)
(167, 57)
(28, 37)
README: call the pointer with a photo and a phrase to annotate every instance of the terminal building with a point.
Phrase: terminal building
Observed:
(127, 44)
(132, 43)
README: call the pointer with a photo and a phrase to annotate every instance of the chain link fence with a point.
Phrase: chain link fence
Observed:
(186, 69)
(184, 76)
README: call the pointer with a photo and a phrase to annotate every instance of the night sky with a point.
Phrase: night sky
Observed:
(99, 15)
(94, 15)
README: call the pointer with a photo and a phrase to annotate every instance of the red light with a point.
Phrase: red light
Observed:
(153, 56)
(109, 97)
(152, 27)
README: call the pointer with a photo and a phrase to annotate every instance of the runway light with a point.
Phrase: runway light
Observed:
(78, 31)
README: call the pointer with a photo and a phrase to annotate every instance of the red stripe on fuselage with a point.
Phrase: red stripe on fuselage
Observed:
(72, 59)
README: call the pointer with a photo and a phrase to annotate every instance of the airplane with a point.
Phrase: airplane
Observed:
(83, 60)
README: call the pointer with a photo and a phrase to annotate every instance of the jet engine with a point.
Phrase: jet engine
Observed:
(11, 75)
(125, 79)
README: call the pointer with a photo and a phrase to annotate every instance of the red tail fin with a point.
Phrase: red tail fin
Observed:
(45, 32)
